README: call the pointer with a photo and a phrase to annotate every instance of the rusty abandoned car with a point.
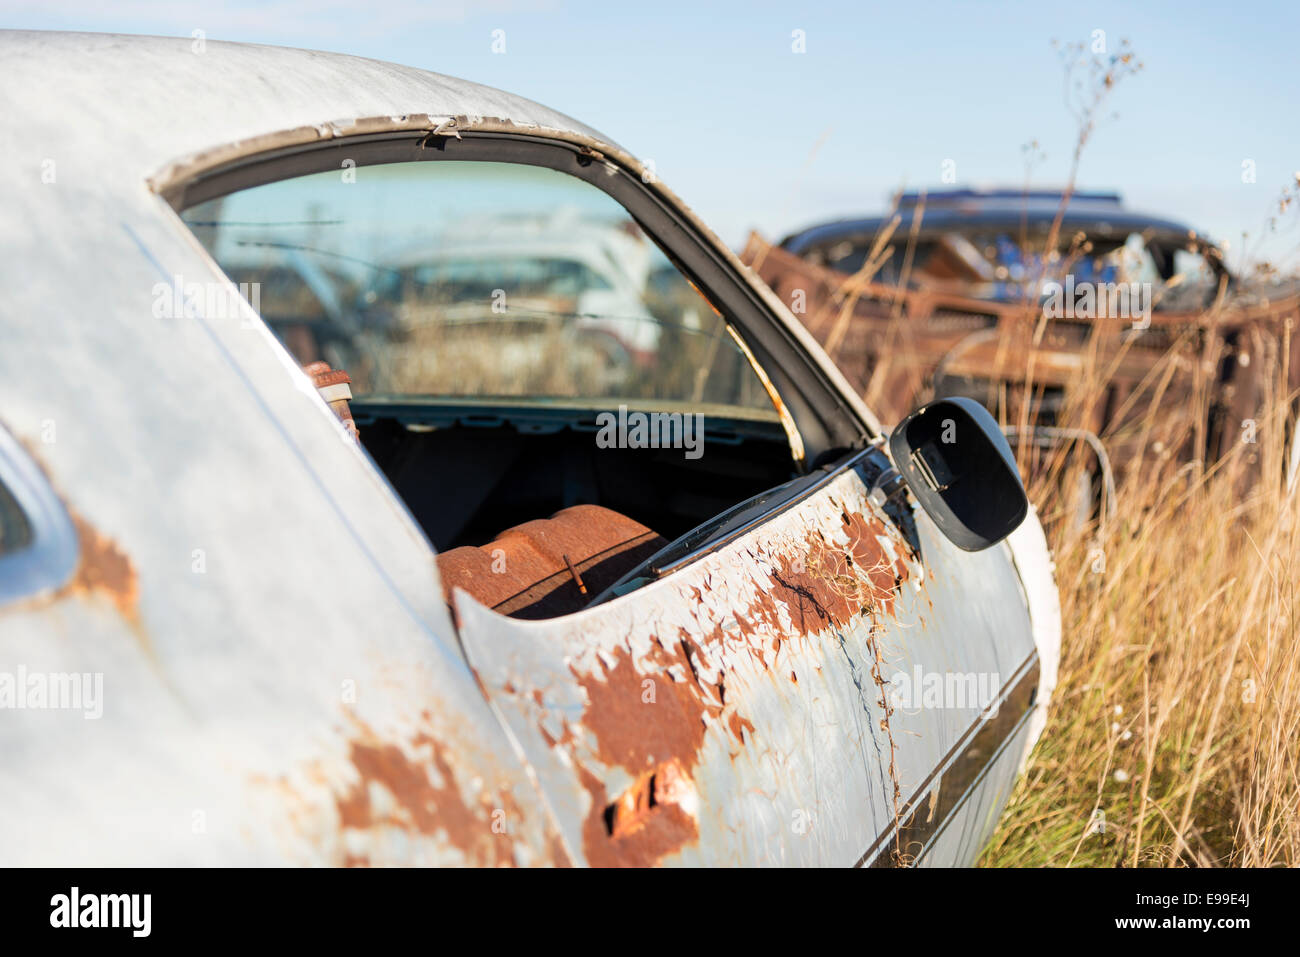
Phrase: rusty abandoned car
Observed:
(620, 571)
(956, 293)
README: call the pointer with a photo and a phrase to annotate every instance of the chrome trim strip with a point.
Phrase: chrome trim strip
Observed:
(49, 560)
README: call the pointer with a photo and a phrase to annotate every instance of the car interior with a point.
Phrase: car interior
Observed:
(554, 400)
(533, 491)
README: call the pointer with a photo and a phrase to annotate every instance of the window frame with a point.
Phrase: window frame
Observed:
(822, 419)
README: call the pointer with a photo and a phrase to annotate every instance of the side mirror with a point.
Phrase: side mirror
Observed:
(957, 462)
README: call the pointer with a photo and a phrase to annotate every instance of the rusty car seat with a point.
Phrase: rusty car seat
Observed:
(551, 566)
(540, 569)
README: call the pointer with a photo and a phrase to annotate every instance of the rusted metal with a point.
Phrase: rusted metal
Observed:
(102, 569)
(577, 579)
(735, 712)
(413, 789)
(391, 797)
(895, 344)
(334, 386)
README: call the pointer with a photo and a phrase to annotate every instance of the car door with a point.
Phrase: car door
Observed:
(815, 676)
(790, 695)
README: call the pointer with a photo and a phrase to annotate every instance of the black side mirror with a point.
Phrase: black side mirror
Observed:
(957, 462)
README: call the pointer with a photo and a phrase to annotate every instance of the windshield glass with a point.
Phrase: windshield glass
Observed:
(475, 279)
(993, 263)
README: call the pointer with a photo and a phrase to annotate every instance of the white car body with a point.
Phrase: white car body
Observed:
(282, 681)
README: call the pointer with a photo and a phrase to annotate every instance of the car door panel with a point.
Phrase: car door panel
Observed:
(283, 682)
(733, 712)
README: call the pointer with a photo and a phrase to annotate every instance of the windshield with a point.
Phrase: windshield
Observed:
(475, 279)
(993, 263)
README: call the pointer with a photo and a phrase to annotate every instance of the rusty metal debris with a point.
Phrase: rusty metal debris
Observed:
(335, 387)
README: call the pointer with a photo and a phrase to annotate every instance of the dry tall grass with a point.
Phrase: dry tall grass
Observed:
(1174, 737)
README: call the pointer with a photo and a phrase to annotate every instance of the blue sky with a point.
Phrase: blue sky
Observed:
(754, 135)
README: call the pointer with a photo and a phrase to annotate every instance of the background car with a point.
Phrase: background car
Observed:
(956, 293)
(990, 244)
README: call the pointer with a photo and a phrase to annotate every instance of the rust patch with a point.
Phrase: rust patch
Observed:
(871, 562)
(104, 569)
(652, 723)
(647, 822)
(653, 727)
(420, 805)
(739, 725)
(408, 785)
(812, 591)
(641, 720)
(666, 786)
(829, 585)
(559, 853)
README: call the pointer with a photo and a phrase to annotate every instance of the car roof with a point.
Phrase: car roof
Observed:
(142, 102)
(1100, 215)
